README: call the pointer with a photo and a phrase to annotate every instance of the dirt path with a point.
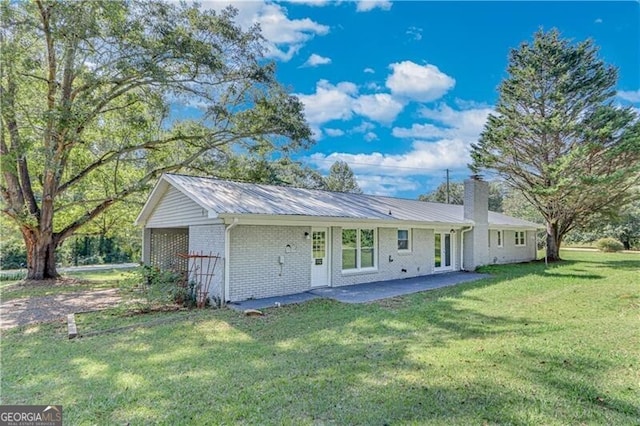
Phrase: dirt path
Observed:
(14, 313)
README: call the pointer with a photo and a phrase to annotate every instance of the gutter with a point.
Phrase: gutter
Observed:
(303, 220)
(461, 247)
(227, 249)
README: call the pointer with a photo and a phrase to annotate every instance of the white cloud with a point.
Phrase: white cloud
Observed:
(373, 86)
(330, 102)
(367, 5)
(284, 37)
(421, 131)
(316, 132)
(364, 127)
(443, 141)
(380, 107)
(415, 33)
(369, 71)
(423, 159)
(630, 95)
(334, 132)
(370, 137)
(316, 60)
(465, 125)
(465, 104)
(385, 185)
(341, 102)
(422, 83)
(313, 3)
(598, 21)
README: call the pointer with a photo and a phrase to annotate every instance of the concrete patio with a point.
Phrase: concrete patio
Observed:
(363, 293)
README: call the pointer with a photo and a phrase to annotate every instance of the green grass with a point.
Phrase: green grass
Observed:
(529, 346)
(79, 281)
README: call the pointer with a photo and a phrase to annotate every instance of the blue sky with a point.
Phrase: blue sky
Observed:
(400, 90)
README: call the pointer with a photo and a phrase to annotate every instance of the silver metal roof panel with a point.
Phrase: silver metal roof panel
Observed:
(228, 197)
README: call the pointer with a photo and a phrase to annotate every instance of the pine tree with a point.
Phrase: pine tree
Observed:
(557, 136)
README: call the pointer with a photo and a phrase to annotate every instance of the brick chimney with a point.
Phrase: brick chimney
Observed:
(476, 209)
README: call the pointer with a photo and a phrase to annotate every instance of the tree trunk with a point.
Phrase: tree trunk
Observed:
(554, 239)
(41, 255)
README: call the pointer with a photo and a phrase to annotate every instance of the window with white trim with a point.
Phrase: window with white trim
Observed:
(358, 249)
(499, 238)
(520, 238)
(404, 240)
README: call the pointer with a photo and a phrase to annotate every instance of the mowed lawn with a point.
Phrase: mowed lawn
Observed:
(532, 345)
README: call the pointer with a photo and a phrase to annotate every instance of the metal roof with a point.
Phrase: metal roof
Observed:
(223, 197)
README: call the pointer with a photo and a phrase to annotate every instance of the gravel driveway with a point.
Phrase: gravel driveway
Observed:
(14, 313)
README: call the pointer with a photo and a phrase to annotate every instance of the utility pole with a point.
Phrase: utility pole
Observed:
(447, 186)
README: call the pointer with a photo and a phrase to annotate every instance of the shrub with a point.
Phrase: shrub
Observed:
(609, 245)
(150, 287)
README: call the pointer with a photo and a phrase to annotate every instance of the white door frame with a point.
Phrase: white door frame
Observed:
(317, 279)
(452, 251)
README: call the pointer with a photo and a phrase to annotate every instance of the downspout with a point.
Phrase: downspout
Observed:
(462, 247)
(227, 249)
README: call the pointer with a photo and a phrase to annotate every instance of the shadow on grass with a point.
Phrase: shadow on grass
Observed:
(358, 367)
(574, 377)
(578, 275)
(627, 265)
(436, 357)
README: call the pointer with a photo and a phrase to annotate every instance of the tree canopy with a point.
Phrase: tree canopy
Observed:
(342, 179)
(558, 137)
(89, 92)
(260, 169)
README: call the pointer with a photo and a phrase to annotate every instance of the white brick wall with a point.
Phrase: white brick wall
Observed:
(416, 263)
(208, 239)
(255, 271)
(509, 253)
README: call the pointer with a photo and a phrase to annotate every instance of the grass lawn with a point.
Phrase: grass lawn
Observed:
(75, 282)
(528, 346)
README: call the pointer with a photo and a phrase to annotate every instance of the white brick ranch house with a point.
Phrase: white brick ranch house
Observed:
(275, 240)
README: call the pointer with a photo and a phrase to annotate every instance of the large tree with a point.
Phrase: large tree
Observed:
(558, 137)
(342, 179)
(93, 95)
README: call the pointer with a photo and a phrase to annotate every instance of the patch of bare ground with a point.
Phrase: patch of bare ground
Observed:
(30, 310)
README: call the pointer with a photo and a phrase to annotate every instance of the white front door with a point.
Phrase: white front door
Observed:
(319, 257)
(443, 252)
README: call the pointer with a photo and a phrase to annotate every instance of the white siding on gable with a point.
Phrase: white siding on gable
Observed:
(177, 210)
